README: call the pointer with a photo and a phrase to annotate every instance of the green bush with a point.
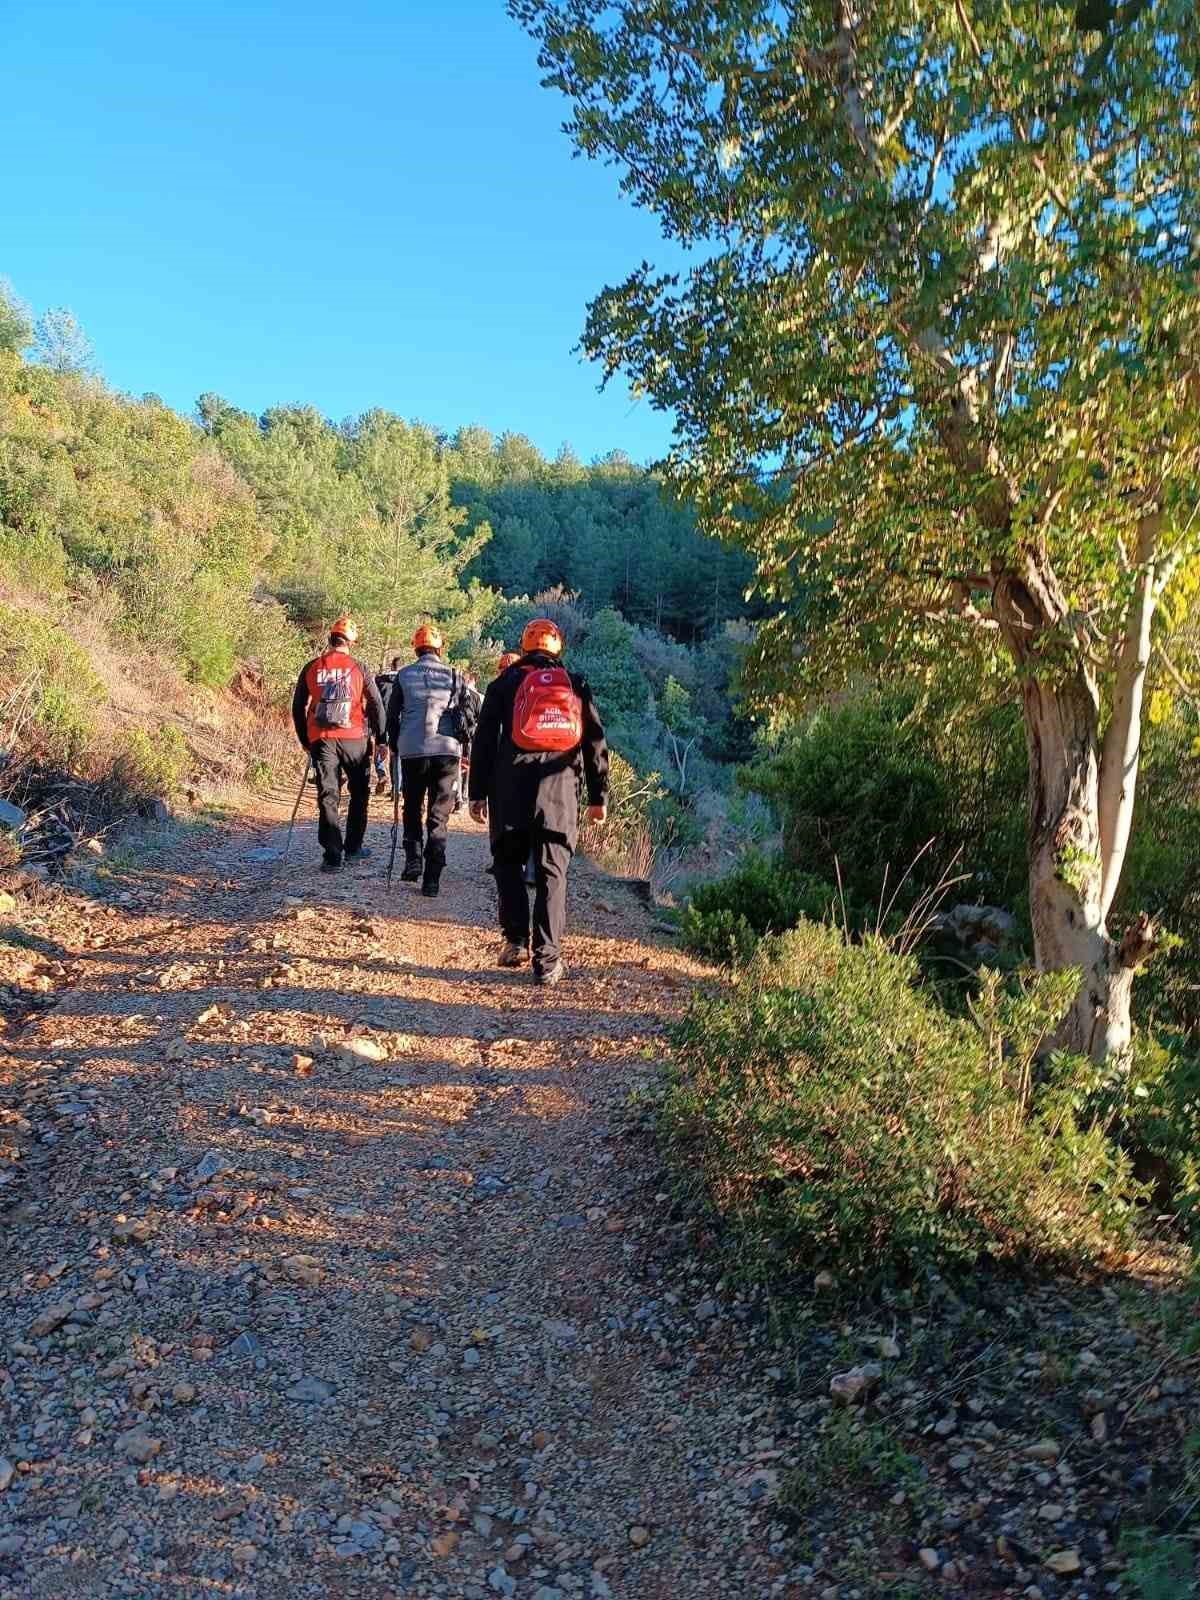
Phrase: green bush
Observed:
(1154, 1109)
(863, 788)
(150, 766)
(55, 697)
(725, 919)
(836, 1117)
(1162, 871)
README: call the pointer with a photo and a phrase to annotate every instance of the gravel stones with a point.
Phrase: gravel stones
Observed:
(49, 1320)
(311, 1391)
(139, 1445)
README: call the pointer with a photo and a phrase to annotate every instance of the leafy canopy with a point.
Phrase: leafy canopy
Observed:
(941, 322)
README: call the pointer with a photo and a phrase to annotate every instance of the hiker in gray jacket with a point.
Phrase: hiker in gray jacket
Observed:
(428, 723)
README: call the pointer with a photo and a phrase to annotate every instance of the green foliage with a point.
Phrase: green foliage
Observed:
(883, 784)
(260, 774)
(16, 325)
(931, 357)
(125, 504)
(654, 693)
(359, 518)
(1159, 1568)
(605, 531)
(850, 1455)
(959, 383)
(725, 919)
(54, 700)
(834, 1115)
(1154, 1109)
(61, 344)
(641, 822)
(606, 658)
(1162, 871)
(151, 764)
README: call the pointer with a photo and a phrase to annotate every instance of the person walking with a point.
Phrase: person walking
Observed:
(429, 723)
(474, 704)
(383, 682)
(539, 735)
(335, 709)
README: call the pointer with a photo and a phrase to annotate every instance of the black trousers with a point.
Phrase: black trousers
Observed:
(551, 855)
(427, 783)
(333, 760)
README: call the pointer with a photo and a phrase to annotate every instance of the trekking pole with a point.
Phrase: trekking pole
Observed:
(296, 807)
(395, 833)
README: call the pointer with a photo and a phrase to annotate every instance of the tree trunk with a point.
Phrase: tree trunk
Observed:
(1070, 842)
(1066, 869)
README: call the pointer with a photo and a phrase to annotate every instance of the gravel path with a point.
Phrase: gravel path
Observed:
(332, 1272)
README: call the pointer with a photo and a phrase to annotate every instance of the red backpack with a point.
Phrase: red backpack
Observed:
(547, 713)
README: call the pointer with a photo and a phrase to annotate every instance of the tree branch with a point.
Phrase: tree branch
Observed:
(1121, 750)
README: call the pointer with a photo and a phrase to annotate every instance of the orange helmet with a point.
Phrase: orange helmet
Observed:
(542, 634)
(427, 637)
(344, 627)
(506, 661)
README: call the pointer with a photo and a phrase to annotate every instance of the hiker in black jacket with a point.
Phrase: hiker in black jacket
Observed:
(530, 798)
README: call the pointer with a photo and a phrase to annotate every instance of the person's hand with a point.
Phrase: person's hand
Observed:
(597, 814)
(478, 810)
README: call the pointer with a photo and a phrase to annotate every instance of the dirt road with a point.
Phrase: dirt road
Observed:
(332, 1269)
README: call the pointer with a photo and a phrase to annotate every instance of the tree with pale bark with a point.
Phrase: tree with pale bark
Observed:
(935, 359)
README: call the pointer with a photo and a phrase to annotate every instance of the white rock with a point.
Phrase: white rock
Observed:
(1043, 1450)
(929, 1559)
(1065, 1562)
(362, 1049)
(7, 1473)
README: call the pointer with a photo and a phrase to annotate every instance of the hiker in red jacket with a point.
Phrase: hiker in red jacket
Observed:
(539, 734)
(335, 709)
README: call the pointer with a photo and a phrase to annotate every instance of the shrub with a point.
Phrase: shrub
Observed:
(54, 697)
(1154, 1108)
(148, 766)
(1162, 870)
(837, 1117)
(724, 920)
(861, 789)
(637, 826)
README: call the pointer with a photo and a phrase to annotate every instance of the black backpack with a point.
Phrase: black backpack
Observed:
(461, 712)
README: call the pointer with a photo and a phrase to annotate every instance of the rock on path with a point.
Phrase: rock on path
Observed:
(332, 1274)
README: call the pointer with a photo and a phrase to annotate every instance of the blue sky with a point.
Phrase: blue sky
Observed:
(367, 204)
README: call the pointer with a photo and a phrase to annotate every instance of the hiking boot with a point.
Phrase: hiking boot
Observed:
(358, 855)
(430, 885)
(331, 864)
(512, 954)
(548, 976)
(414, 865)
(381, 783)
